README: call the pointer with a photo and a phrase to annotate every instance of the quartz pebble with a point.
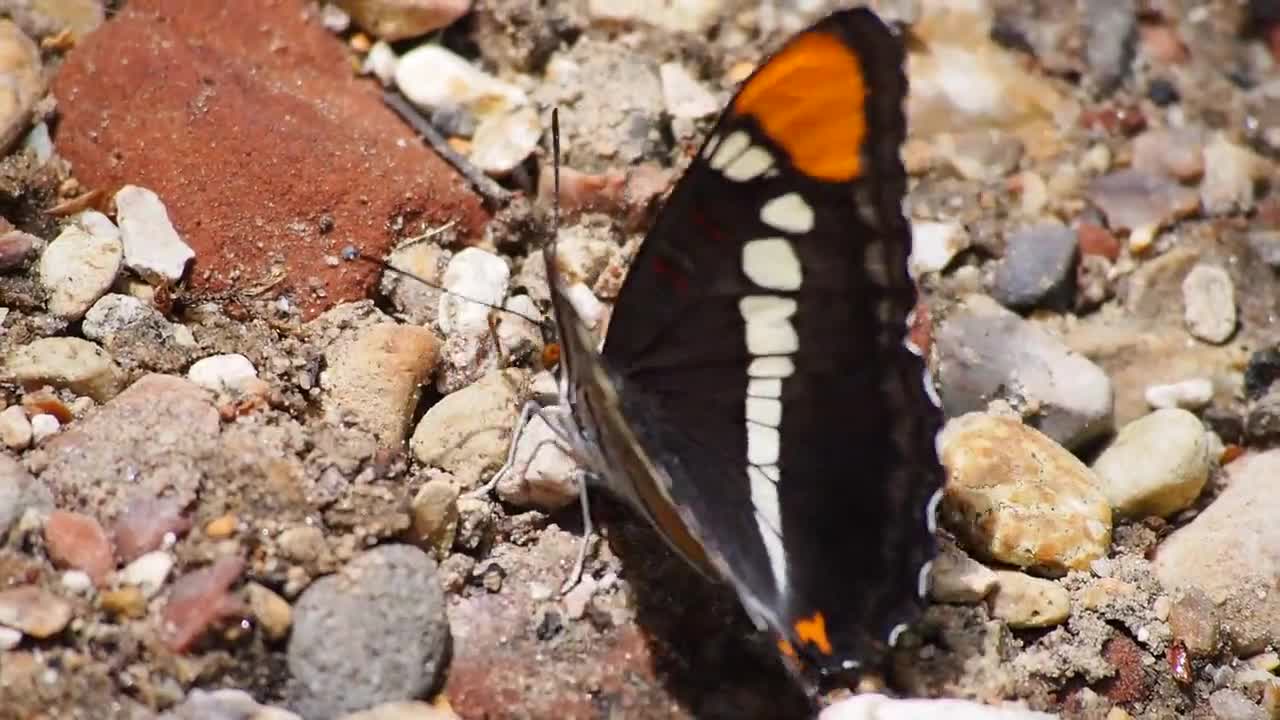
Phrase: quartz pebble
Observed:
(870, 706)
(1191, 394)
(43, 427)
(78, 268)
(1026, 602)
(225, 704)
(468, 350)
(222, 373)
(934, 245)
(684, 96)
(1015, 496)
(9, 638)
(148, 573)
(152, 247)
(502, 141)
(1230, 172)
(1208, 297)
(433, 77)
(1134, 200)
(381, 62)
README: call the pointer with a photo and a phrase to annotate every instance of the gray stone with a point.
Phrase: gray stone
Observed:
(19, 491)
(986, 352)
(1037, 268)
(1209, 303)
(1111, 27)
(378, 626)
(226, 704)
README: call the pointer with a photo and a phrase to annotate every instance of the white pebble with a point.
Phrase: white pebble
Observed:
(77, 268)
(475, 280)
(77, 581)
(934, 245)
(683, 95)
(9, 638)
(222, 373)
(15, 428)
(43, 426)
(435, 78)
(148, 572)
(152, 247)
(381, 62)
(503, 140)
(1190, 394)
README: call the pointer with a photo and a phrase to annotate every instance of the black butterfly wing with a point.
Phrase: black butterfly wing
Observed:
(759, 337)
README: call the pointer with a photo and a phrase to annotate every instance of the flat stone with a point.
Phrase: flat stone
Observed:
(1015, 496)
(934, 245)
(147, 573)
(690, 16)
(79, 542)
(354, 168)
(985, 352)
(149, 441)
(222, 373)
(1026, 602)
(199, 600)
(65, 362)
(413, 710)
(152, 247)
(379, 623)
(394, 20)
(1231, 553)
(1037, 269)
(1209, 303)
(435, 78)
(1190, 394)
(375, 377)
(1133, 200)
(956, 578)
(1157, 464)
(468, 433)
(78, 268)
(33, 611)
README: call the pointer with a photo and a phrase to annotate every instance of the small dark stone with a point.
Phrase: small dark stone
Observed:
(1261, 372)
(1162, 92)
(550, 626)
(326, 224)
(492, 576)
(1038, 268)
(1262, 426)
(1228, 423)
(16, 247)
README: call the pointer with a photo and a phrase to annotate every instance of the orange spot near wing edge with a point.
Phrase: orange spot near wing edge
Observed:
(810, 100)
(813, 630)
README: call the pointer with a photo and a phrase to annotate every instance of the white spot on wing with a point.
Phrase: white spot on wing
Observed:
(777, 366)
(772, 263)
(762, 445)
(729, 148)
(711, 146)
(931, 390)
(931, 511)
(754, 161)
(764, 388)
(896, 633)
(764, 495)
(789, 213)
(764, 411)
(771, 472)
(923, 580)
(769, 329)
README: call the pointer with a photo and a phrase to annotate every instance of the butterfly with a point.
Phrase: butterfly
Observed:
(755, 399)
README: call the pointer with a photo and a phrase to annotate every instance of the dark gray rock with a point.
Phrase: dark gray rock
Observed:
(372, 633)
(1111, 27)
(1038, 268)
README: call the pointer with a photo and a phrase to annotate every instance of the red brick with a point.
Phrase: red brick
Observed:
(245, 117)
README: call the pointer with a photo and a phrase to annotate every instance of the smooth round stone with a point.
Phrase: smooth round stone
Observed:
(378, 624)
(1190, 394)
(1209, 303)
(375, 377)
(468, 433)
(1037, 269)
(1157, 465)
(1015, 496)
(78, 268)
(66, 362)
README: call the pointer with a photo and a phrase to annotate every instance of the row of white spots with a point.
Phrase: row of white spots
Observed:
(737, 159)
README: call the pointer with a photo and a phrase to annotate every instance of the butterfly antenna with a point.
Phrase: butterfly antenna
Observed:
(350, 253)
(555, 171)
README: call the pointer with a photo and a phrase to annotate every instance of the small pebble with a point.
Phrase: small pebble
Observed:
(33, 611)
(152, 247)
(381, 62)
(433, 77)
(1037, 269)
(222, 373)
(127, 601)
(1026, 602)
(9, 638)
(79, 542)
(78, 268)
(1132, 199)
(1157, 464)
(221, 527)
(226, 704)
(1096, 240)
(1176, 153)
(16, 247)
(273, 613)
(957, 578)
(375, 376)
(468, 433)
(502, 141)
(43, 427)
(934, 245)
(985, 155)
(1230, 704)
(1230, 172)
(15, 428)
(21, 74)
(435, 516)
(542, 475)
(872, 706)
(77, 581)
(147, 524)
(302, 544)
(1192, 394)
(1209, 304)
(475, 275)
(198, 600)
(148, 573)
(66, 362)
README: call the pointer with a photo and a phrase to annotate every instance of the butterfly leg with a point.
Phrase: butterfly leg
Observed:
(588, 532)
(531, 408)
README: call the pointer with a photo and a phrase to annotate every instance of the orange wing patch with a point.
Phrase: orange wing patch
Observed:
(809, 98)
(813, 630)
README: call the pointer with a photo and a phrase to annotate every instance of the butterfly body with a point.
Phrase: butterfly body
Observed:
(755, 399)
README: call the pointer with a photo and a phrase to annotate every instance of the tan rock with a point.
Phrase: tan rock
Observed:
(957, 578)
(1157, 465)
(435, 516)
(66, 362)
(1026, 602)
(376, 377)
(468, 432)
(1015, 496)
(34, 611)
(272, 612)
